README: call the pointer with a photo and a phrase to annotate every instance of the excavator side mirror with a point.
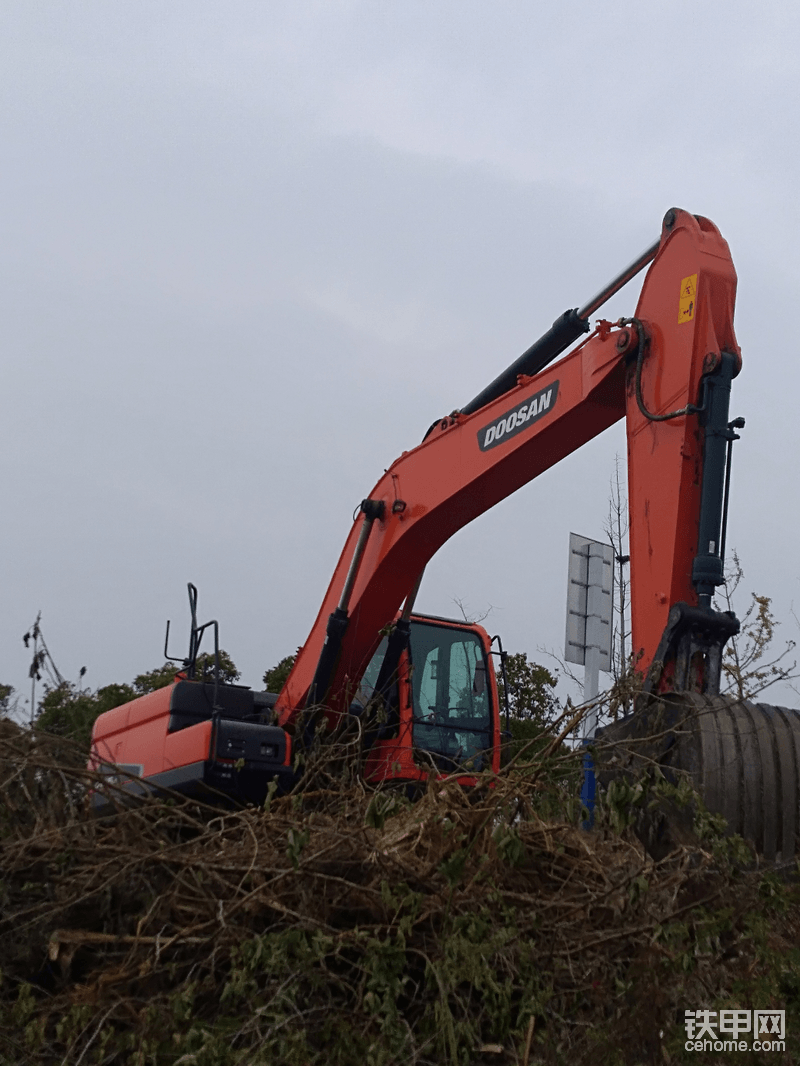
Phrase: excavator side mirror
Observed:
(479, 681)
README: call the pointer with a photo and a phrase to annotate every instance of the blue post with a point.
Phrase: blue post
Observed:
(588, 788)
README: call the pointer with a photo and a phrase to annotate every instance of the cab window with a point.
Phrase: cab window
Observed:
(452, 713)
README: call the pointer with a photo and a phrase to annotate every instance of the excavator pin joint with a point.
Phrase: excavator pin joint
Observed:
(373, 509)
(624, 340)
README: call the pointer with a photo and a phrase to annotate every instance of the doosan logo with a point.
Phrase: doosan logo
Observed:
(513, 422)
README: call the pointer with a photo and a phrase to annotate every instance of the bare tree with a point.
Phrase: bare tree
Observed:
(42, 661)
(469, 616)
(750, 663)
(616, 529)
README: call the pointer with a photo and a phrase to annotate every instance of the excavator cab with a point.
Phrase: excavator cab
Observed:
(439, 711)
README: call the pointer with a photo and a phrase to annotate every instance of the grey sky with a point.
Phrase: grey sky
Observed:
(251, 250)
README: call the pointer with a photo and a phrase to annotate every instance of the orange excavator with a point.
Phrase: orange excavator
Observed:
(667, 370)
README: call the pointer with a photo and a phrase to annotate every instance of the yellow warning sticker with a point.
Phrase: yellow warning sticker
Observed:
(688, 299)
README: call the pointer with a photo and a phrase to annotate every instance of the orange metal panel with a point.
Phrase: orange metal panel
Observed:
(665, 459)
(153, 705)
(189, 745)
(134, 733)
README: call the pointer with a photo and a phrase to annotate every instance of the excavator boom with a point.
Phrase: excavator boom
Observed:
(655, 369)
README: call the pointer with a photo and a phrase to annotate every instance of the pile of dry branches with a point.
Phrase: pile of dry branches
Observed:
(345, 926)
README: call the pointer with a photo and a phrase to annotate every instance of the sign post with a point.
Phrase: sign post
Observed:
(588, 642)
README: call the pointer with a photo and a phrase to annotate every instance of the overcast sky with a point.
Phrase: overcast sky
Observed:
(250, 250)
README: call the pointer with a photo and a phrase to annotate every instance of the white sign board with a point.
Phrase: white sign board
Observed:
(589, 601)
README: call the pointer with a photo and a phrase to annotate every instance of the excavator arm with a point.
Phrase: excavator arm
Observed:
(666, 370)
